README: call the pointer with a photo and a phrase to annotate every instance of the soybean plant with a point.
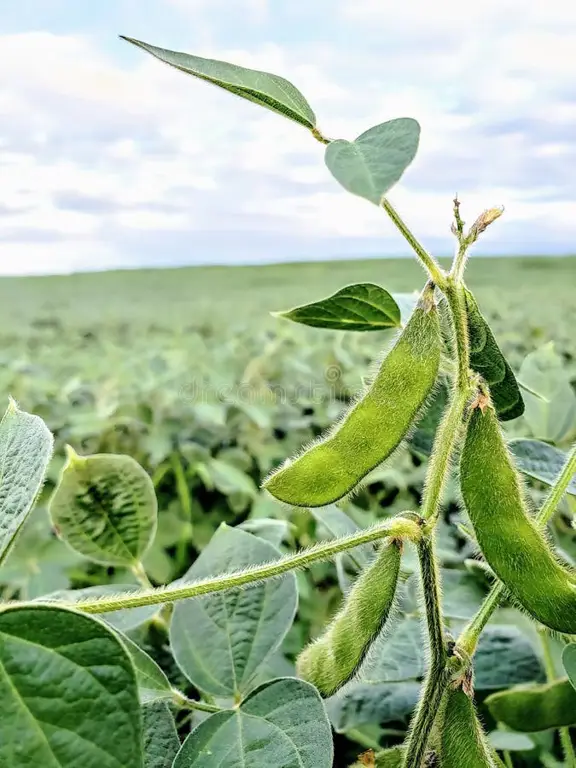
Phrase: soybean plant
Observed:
(78, 689)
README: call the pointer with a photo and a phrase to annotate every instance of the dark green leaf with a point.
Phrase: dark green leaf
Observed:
(105, 508)
(68, 692)
(280, 724)
(569, 662)
(374, 162)
(510, 742)
(422, 438)
(270, 91)
(25, 450)
(361, 703)
(539, 460)
(244, 627)
(161, 742)
(359, 307)
(505, 657)
(153, 685)
(487, 360)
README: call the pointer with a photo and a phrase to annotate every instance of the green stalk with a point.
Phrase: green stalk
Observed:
(398, 527)
(438, 674)
(468, 640)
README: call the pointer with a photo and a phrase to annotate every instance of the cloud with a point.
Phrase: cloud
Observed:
(106, 155)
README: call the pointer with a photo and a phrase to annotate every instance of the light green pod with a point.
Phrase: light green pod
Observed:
(463, 742)
(334, 658)
(374, 427)
(512, 545)
(529, 708)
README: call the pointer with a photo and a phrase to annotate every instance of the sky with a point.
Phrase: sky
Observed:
(110, 159)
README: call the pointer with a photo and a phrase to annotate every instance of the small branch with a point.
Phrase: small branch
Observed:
(437, 274)
(439, 464)
(141, 576)
(182, 701)
(398, 527)
(438, 673)
(558, 489)
(455, 297)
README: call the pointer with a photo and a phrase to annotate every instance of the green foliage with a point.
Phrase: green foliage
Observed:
(360, 307)
(68, 692)
(541, 461)
(376, 160)
(161, 743)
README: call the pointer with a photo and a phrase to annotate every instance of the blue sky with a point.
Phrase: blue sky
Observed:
(110, 159)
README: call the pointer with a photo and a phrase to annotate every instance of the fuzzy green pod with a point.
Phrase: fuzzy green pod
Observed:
(463, 742)
(374, 427)
(511, 543)
(334, 658)
(529, 708)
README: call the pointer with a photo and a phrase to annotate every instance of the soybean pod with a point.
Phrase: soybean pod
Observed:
(529, 708)
(374, 427)
(463, 742)
(513, 546)
(334, 658)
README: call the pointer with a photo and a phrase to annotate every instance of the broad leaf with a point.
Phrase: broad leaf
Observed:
(509, 741)
(374, 162)
(569, 662)
(541, 461)
(505, 657)
(267, 528)
(367, 703)
(422, 438)
(25, 450)
(124, 619)
(153, 685)
(282, 723)
(105, 508)
(161, 742)
(270, 91)
(68, 692)
(487, 360)
(552, 414)
(334, 523)
(244, 627)
(359, 307)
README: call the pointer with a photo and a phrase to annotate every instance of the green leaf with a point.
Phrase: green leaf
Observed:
(244, 627)
(270, 91)
(68, 692)
(569, 662)
(267, 528)
(487, 360)
(362, 703)
(105, 507)
(153, 685)
(509, 741)
(123, 620)
(282, 723)
(541, 461)
(422, 438)
(462, 594)
(25, 450)
(505, 657)
(334, 523)
(552, 415)
(161, 742)
(374, 162)
(358, 307)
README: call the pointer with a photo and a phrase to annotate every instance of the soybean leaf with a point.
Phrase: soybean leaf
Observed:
(399, 656)
(270, 91)
(244, 627)
(68, 692)
(541, 461)
(153, 685)
(25, 450)
(362, 703)
(569, 662)
(505, 657)
(552, 415)
(375, 161)
(267, 528)
(282, 723)
(463, 594)
(124, 619)
(487, 360)
(161, 742)
(422, 439)
(359, 307)
(509, 741)
(105, 507)
(334, 523)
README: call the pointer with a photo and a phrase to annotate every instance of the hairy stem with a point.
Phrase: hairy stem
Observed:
(439, 464)
(438, 674)
(398, 527)
(470, 635)
(455, 296)
(182, 701)
(437, 274)
(460, 259)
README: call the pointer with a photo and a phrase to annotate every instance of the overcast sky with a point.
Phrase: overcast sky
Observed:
(110, 159)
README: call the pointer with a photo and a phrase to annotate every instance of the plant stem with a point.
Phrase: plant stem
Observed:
(439, 464)
(438, 675)
(455, 297)
(398, 527)
(565, 739)
(182, 701)
(459, 263)
(437, 274)
(471, 633)
(141, 576)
